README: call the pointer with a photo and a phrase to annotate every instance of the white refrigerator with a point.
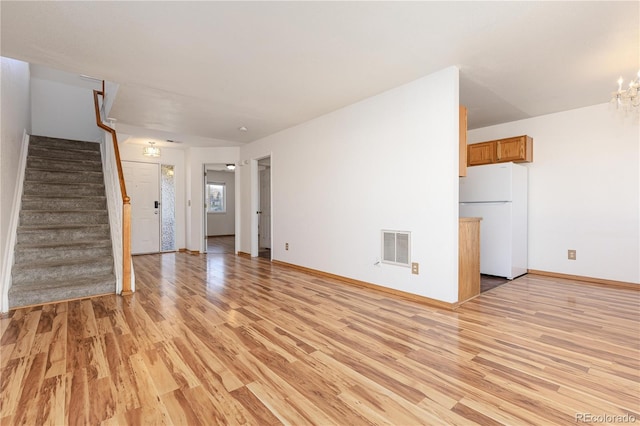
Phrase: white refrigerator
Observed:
(497, 193)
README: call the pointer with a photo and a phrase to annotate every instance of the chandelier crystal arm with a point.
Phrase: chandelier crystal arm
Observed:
(627, 99)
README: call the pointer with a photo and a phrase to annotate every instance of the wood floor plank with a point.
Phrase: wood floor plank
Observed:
(5, 354)
(102, 400)
(392, 408)
(51, 401)
(12, 383)
(12, 325)
(77, 398)
(160, 374)
(27, 334)
(211, 371)
(26, 409)
(152, 410)
(182, 375)
(5, 321)
(299, 413)
(222, 339)
(57, 359)
(122, 382)
(180, 409)
(258, 411)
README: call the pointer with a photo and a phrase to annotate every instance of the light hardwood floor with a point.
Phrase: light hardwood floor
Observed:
(222, 339)
(221, 245)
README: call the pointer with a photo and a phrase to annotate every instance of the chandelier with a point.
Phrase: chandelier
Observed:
(627, 99)
(151, 150)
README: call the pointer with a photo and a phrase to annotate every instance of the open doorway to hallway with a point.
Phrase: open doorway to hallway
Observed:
(264, 212)
(219, 205)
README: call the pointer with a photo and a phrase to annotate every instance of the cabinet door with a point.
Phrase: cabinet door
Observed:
(518, 150)
(462, 168)
(511, 149)
(481, 153)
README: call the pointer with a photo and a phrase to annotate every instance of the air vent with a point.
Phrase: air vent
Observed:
(396, 247)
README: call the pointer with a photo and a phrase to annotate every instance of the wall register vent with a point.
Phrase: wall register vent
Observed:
(396, 247)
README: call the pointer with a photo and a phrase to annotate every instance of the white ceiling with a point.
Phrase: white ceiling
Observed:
(203, 69)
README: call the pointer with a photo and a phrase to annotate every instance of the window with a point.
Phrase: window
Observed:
(216, 197)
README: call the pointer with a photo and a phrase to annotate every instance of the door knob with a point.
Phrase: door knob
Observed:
(156, 203)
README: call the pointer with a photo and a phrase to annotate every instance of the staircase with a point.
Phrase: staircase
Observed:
(63, 246)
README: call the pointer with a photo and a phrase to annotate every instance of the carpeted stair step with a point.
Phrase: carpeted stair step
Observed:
(34, 253)
(64, 233)
(70, 154)
(46, 218)
(62, 189)
(64, 203)
(63, 245)
(62, 164)
(61, 290)
(76, 268)
(59, 176)
(56, 143)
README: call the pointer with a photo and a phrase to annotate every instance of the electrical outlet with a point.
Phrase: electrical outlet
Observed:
(286, 246)
(571, 255)
(415, 268)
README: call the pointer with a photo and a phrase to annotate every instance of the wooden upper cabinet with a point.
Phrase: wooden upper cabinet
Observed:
(462, 168)
(481, 153)
(518, 149)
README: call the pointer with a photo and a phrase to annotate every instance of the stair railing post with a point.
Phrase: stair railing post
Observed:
(126, 247)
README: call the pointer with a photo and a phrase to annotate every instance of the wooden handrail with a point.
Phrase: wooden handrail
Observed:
(126, 201)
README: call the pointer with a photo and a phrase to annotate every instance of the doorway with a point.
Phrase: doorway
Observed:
(264, 208)
(151, 187)
(219, 209)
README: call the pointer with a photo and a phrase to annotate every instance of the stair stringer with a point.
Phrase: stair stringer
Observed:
(7, 262)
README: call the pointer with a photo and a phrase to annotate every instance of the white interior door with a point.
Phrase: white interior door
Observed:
(264, 224)
(143, 187)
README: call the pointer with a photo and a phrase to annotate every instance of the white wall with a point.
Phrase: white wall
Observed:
(62, 106)
(15, 120)
(196, 158)
(387, 162)
(169, 156)
(223, 223)
(583, 191)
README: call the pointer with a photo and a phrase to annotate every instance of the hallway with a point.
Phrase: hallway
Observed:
(221, 245)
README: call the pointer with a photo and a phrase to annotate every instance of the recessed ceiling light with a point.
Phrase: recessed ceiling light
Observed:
(243, 129)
